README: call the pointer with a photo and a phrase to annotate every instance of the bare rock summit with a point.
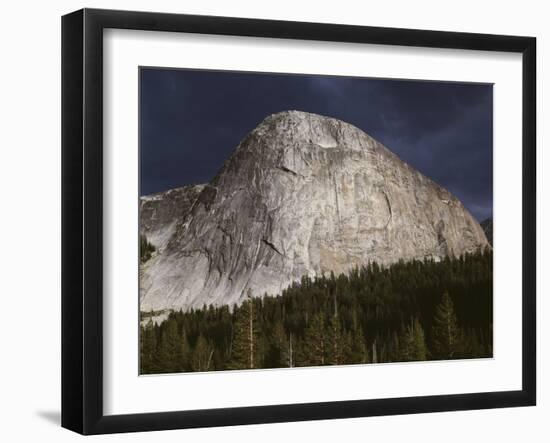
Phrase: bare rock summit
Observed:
(301, 195)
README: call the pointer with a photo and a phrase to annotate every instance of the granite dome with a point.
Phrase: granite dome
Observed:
(302, 194)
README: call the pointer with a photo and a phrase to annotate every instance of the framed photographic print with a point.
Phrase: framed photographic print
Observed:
(269, 221)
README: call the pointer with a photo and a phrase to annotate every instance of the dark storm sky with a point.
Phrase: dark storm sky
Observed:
(191, 121)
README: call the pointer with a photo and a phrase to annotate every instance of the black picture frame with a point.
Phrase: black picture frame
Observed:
(82, 218)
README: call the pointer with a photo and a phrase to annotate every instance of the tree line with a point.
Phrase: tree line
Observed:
(408, 311)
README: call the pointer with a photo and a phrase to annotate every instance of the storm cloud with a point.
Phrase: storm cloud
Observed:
(192, 120)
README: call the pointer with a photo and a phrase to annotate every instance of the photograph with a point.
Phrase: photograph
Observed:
(297, 220)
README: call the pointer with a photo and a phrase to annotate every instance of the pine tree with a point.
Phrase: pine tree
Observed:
(396, 352)
(335, 349)
(170, 348)
(282, 347)
(244, 352)
(413, 343)
(359, 348)
(446, 336)
(374, 352)
(148, 345)
(339, 341)
(201, 359)
(420, 348)
(314, 345)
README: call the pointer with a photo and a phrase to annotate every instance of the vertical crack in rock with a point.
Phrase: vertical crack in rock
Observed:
(337, 201)
(441, 240)
(390, 216)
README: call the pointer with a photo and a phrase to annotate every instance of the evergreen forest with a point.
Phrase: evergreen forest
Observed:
(408, 311)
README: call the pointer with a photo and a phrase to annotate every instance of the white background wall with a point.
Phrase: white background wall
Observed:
(30, 218)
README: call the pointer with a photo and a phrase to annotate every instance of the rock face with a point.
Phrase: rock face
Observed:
(159, 214)
(302, 195)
